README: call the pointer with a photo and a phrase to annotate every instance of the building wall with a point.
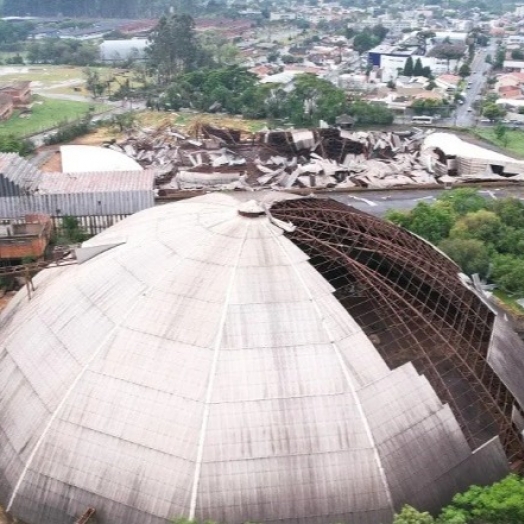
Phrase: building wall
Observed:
(78, 204)
(29, 237)
(12, 248)
(389, 64)
(95, 211)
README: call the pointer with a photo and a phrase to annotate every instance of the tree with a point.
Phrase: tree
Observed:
(124, 121)
(368, 38)
(493, 111)
(70, 231)
(432, 222)
(427, 106)
(464, 200)
(13, 144)
(500, 56)
(408, 67)
(464, 70)
(426, 71)
(501, 133)
(173, 47)
(418, 70)
(11, 33)
(448, 51)
(481, 225)
(501, 503)
(93, 82)
(62, 51)
(508, 273)
(510, 211)
(312, 99)
(371, 113)
(410, 515)
(471, 255)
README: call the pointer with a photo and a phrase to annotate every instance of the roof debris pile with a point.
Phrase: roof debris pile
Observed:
(452, 159)
(325, 158)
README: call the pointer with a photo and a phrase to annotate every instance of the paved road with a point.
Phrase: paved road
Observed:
(465, 113)
(378, 202)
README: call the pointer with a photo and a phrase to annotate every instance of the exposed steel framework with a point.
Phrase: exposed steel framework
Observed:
(409, 299)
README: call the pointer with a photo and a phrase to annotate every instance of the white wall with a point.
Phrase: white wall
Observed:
(390, 64)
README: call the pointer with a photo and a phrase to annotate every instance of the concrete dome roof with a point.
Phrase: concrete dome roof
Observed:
(200, 366)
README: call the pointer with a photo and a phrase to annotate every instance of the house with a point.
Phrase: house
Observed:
(6, 107)
(429, 95)
(20, 92)
(514, 65)
(510, 92)
(26, 238)
(448, 82)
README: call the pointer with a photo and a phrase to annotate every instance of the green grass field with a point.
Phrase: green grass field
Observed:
(46, 76)
(46, 114)
(512, 142)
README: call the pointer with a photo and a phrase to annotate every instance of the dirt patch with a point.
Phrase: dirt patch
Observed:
(54, 163)
(98, 137)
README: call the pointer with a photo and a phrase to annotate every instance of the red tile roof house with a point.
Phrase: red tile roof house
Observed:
(20, 92)
(510, 92)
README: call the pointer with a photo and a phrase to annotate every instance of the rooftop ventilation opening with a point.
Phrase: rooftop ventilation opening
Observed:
(251, 209)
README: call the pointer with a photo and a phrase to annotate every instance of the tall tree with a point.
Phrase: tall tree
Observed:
(408, 67)
(418, 69)
(173, 47)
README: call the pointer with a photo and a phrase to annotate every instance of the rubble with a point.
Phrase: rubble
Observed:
(323, 158)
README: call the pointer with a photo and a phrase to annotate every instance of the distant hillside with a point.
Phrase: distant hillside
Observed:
(96, 8)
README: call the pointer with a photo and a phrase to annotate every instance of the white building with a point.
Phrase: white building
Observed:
(115, 50)
(391, 66)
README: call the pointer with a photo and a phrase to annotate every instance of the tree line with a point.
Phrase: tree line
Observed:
(235, 90)
(99, 8)
(482, 236)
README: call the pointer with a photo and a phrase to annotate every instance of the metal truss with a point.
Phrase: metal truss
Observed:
(409, 299)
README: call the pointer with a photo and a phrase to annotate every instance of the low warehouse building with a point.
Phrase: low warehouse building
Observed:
(288, 360)
(97, 199)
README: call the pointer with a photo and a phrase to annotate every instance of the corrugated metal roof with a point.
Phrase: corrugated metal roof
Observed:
(205, 369)
(96, 181)
(17, 175)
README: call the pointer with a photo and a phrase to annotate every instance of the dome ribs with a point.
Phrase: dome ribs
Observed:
(410, 301)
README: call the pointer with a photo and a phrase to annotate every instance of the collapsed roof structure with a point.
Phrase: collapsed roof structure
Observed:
(447, 154)
(289, 359)
(324, 158)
